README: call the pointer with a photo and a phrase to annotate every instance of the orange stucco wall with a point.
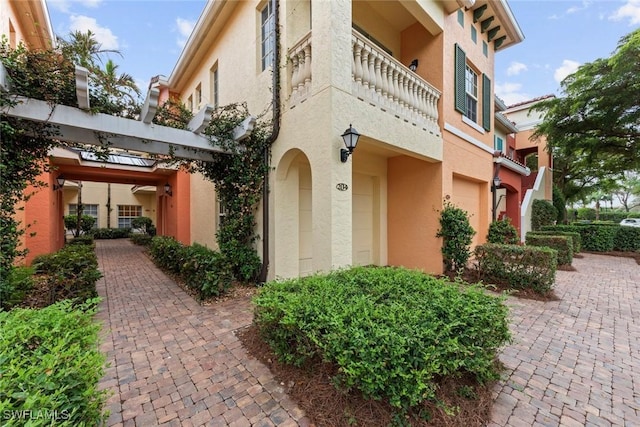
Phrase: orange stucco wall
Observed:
(414, 199)
(43, 218)
(174, 218)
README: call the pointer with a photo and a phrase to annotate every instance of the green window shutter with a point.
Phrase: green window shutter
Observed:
(486, 103)
(459, 82)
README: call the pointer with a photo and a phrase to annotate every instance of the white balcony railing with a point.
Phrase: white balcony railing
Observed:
(300, 57)
(383, 81)
(378, 78)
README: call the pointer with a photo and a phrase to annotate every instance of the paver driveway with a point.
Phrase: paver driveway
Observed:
(174, 361)
(573, 362)
(576, 362)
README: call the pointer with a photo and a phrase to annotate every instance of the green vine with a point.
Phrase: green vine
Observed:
(239, 178)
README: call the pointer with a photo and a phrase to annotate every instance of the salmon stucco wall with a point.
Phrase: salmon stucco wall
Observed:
(43, 219)
(414, 199)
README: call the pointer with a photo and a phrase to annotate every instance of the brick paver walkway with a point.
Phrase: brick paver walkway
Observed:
(576, 362)
(174, 362)
(573, 362)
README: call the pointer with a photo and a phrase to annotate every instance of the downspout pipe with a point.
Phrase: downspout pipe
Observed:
(264, 269)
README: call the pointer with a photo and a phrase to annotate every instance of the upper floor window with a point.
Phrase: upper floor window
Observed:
(190, 103)
(498, 143)
(472, 94)
(214, 85)
(471, 89)
(267, 35)
(461, 17)
(198, 96)
(474, 34)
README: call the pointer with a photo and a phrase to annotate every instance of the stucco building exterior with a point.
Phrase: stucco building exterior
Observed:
(427, 135)
(415, 78)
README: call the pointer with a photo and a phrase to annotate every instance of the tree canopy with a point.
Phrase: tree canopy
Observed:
(593, 130)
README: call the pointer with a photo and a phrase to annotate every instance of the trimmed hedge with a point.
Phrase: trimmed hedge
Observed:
(575, 237)
(519, 267)
(141, 239)
(603, 237)
(50, 367)
(503, 232)
(111, 233)
(72, 272)
(542, 213)
(202, 269)
(392, 332)
(562, 244)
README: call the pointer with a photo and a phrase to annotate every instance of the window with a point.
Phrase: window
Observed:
(461, 17)
(198, 96)
(485, 49)
(91, 210)
(471, 89)
(498, 143)
(190, 103)
(126, 213)
(474, 34)
(267, 35)
(466, 91)
(214, 85)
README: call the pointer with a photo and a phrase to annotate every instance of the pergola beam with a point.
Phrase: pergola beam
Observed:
(102, 129)
(82, 87)
(150, 105)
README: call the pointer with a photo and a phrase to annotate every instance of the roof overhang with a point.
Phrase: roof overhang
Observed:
(497, 20)
(502, 120)
(512, 165)
(34, 20)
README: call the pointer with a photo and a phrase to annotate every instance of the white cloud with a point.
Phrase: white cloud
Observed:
(631, 11)
(103, 35)
(185, 28)
(516, 68)
(574, 9)
(568, 67)
(511, 93)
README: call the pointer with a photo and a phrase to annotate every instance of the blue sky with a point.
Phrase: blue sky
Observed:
(560, 35)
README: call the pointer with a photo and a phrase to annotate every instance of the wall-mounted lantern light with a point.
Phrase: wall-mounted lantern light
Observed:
(167, 189)
(350, 138)
(414, 65)
(59, 183)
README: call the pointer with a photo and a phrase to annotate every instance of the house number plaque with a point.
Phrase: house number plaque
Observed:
(342, 186)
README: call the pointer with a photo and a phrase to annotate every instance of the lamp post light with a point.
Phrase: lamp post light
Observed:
(350, 138)
(167, 189)
(414, 65)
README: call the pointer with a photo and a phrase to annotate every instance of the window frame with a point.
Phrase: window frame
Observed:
(120, 217)
(471, 93)
(267, 36)
(214, 84)
(85, 208)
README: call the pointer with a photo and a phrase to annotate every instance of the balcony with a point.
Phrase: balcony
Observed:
(383, 81)
(378, 79)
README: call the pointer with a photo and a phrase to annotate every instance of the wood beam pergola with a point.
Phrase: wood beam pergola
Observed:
(78, 125)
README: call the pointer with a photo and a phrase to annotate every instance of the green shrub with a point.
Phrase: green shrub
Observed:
(562, 244)
(503, 232)
(50, 364)
(14, 288)
(144, 224)
(586, 214)
(167, 252)
(206, 271)
(519, 267)
(559, 203)
(595, 237)
(72, 272)
(543, 213)
(391, 332)
(141, 239)
(575, 237)
(86, 239)
(627, 239)
(86, 224)
(457, 235)
(111, 233)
